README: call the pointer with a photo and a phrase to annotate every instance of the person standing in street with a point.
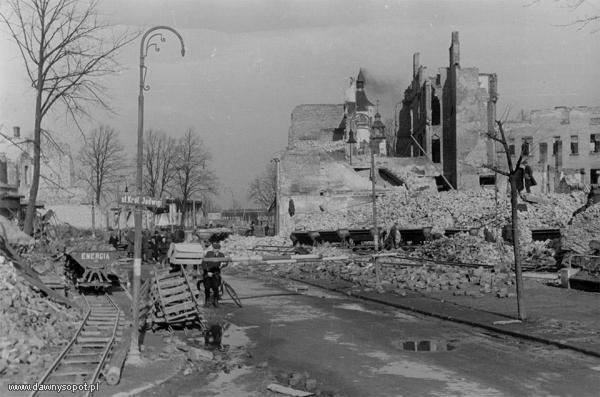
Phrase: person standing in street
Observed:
(212, 275)
(393, 235)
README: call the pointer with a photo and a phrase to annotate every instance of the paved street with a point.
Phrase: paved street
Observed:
(354, 348)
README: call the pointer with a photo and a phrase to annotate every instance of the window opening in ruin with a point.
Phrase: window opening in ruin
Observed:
(435, 111)
(26, 175)
(594, 176)
(543, 152)
(436, 150)
(574, 144)
(511, 149)
(487, 180)
(526, 145)
(555, 144)
(442, 185)
(595, 143)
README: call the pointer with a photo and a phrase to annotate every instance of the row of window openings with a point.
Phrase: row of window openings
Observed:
(527, 146)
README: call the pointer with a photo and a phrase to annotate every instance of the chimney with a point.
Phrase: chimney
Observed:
(3, 169)
(455, 50)
(17, 132)
(416, 64)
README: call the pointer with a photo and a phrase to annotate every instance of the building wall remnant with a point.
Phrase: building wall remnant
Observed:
(447, 118)
(563, 140)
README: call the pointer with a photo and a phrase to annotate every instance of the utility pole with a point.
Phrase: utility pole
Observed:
(375, 229)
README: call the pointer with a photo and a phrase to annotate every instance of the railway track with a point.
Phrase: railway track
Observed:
(83, 359)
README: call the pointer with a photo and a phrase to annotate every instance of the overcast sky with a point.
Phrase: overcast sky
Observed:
(249, 63)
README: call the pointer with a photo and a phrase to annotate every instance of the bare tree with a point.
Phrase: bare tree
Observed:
(159, 159)
(580, 22)
(102, 158)
(192, 174)
(66, 50)
(263, 188)
(512, 174)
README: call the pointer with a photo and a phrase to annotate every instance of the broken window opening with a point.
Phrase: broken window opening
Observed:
(487, 180)
(595, 143)
(555, 144)
(574, 144)
(435, 111)
(526, 145)
(543, 152)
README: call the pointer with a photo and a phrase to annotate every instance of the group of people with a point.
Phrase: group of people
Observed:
(155, 245)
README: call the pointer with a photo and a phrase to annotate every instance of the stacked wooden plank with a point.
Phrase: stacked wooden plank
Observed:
(174, 298)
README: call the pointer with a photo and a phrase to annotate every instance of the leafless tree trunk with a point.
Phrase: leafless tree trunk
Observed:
(263, 188)
(159, 159)
(102, 158)
(65, 49)
(512, 178)
(192, 175)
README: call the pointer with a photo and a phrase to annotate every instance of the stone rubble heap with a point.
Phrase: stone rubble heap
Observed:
(442, 210)
(584, 228)
(30, 324)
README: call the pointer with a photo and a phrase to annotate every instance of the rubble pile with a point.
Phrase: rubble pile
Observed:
(584, 228)
(400, 276)
(29, 323)
(240, 246)
(442, 210)
(464, 248)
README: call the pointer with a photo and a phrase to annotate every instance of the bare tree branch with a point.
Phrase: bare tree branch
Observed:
(102, 158)
(65, 50)
(262, 189)
(192, 172)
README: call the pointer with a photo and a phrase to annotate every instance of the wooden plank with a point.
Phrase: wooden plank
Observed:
(167, 276)
(165, 292)
(171, 282)
(184, 296)
(187, 306)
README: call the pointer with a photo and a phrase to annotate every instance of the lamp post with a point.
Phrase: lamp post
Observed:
(351, 141)
(145, 45)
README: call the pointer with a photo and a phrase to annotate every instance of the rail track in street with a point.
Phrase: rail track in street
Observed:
(82, 361)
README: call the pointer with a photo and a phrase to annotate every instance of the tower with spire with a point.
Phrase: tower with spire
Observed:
(359, 113)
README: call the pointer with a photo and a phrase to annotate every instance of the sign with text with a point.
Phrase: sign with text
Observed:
(140, 200)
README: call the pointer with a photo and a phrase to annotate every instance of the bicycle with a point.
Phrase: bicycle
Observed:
(223, 287)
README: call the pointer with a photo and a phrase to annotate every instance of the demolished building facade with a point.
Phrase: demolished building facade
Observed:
(447, 117)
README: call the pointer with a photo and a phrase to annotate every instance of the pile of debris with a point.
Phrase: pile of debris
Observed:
(240, 246)
(467, 249)
(442, 210)
(584, 229)
(401, 275)
(30, 324)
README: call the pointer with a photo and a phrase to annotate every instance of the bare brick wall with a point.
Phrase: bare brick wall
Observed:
(314, 122)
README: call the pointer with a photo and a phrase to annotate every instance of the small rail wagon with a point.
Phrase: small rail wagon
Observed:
(91, 269)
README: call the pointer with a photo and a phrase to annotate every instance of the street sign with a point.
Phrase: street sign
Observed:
(140, 200)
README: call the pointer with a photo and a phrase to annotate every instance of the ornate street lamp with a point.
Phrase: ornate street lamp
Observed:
(145, 45)
(351, 141)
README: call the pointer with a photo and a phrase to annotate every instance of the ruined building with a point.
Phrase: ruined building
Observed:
(446, 118)
(326, 167)
(559, 143)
